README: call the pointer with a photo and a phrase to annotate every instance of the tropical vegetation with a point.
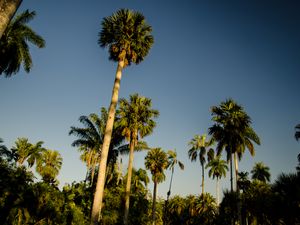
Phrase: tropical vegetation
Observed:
(30, 192)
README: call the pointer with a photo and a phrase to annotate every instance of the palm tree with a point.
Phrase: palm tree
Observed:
(243, 181)
(297, 133)
(49, 165)
(233, 132)
(8, 9)
(136, 121)
(173, 161)
(129, 39)
(218, 168)
(261, 172)
(14, 45)
(199, 147)
(156, 161)
(90, 140)
(140, 180)
(25, 151)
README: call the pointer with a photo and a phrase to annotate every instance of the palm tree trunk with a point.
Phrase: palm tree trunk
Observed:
(239, 207)
(8, 9)
(202, 180)
(128, 184)
(218, 191)
(231, 174)
(98, 197)
(169, 192)
(154, 203)
(236, 165)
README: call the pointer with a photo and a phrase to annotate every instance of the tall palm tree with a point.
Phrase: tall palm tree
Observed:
(297, 133)
(156, 161)
(128, 38)
(218, 168)
(233, 132)
(173, 161)
(136, 121)
(49, 166)
(14, 44)
(90, 140)
(198, 148)
(8, 9)
(261, 172)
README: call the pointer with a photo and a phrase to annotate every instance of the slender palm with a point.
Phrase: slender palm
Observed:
(261, 172)
(156, 161)
(198, 148)
(218, 168)
(90, 140)
(136, 121)
(14, 45)
(173, 161)
(8, 9)
(49, 166)
(297, 133)
(233, 132)
(128, 38)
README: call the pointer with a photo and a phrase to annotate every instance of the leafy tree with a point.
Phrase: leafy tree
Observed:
(136, 121)
(173, 161)
(198, 148)
(287, 190)
(49, 165)
(233, 132)
(24, 151)
(261, 172)
(217, 170)
(243, 181)
(90, 140)
(128, 38)
(14, 46)
(156, 161)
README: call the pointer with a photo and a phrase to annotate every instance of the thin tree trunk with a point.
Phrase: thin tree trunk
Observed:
(202, 180)
(98, 197)
(239, 206)
(231, 174)
(8, 9)
(154, 203)
(128, 184)
(169, 192)
(218, 191)
(236, 165)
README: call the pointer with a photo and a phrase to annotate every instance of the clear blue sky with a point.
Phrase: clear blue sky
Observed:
(204, 52)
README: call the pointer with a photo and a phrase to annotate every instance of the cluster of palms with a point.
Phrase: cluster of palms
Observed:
(47, 162)
(128, 39)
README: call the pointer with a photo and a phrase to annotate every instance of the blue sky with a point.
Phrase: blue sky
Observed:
(204, 53)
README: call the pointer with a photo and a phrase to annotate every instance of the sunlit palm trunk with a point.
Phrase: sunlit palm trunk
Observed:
(236, 165)
(154, 203)
(202, 179)
(128, 184)
(218, 191)
(8, 9)
(97, 203)
(231, 174)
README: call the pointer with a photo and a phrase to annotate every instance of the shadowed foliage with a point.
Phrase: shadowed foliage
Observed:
(14, 44)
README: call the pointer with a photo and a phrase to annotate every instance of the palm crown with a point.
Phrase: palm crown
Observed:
(14, 44)
(127, 36)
